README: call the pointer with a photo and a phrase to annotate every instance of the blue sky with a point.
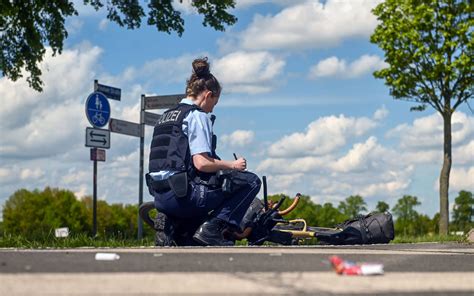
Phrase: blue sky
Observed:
(299, 102)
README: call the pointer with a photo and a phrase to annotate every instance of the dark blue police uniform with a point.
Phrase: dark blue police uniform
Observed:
(180, 190)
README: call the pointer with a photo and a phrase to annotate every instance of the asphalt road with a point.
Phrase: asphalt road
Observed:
(410, 269)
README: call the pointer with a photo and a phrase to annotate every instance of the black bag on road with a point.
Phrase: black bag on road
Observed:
(374, 228)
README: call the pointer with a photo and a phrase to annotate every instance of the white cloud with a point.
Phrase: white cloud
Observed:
(185, 6)
(248, 72)
(158, 71)
(242, 4)
(335, 67)
(357, 157)
(322, 136)
(42, 141)
(48, 123)
(31, 173)
(367, 167)
(381, 113)
(103, 24)
(427, 132)
(311, 24)
(382, 189)
(291, 165)
(238, 138)
(461, 179)
(74, 25)
(76, 176)
(464, 154)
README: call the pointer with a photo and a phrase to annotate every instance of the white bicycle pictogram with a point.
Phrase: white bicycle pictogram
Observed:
(98, 118)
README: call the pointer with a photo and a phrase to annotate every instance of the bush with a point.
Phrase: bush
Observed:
(34, 214)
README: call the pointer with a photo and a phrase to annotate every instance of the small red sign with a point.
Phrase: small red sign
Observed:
(97, 154)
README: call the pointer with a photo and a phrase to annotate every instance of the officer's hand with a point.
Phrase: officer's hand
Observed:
(239, 164)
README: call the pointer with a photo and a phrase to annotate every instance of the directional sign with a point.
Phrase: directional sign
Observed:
(151, 118)
(97, 109)
(96, 137)
(97, 154)
(163, 102)
(109, 91)
(124, 127)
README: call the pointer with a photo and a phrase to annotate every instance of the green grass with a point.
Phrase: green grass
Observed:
(429, 238)
(83, 240)
(73, 241)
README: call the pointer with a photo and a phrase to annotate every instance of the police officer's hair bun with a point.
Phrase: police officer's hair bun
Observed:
(201, 68)
(201, 79)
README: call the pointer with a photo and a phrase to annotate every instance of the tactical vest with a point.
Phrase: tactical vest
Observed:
(169, 150)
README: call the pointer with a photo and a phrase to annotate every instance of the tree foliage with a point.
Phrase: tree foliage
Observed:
(428, 49)
(463, 211)
(34, 214)
(353, 206)
(428, 46)
(406, 215)
(28, 26)
(382, 207)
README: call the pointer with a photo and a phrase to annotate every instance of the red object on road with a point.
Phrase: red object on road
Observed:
(350, 268)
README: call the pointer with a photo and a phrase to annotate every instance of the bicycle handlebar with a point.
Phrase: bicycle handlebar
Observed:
(291, 207)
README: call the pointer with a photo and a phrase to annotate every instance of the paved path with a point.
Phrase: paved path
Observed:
(410, 269)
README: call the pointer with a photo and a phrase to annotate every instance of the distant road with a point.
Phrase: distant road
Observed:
(410, 269)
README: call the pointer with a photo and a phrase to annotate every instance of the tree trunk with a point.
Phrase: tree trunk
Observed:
(444, 176)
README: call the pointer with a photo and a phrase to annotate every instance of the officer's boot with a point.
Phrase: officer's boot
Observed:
(164, 231)
(210, 233)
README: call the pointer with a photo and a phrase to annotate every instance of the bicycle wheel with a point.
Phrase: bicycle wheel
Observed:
(144, 212)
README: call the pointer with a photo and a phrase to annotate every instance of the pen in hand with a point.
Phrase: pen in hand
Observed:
(235, 156)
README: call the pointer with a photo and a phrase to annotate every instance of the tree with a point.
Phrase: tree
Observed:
(37, 213)
(352, 206)
(406, 214)
(26, 26)
(382, 207)
(306, 208)
(428, 47)
(115, 220)
(328, 215)
(314, 214)
(463, 211)
(423, 225)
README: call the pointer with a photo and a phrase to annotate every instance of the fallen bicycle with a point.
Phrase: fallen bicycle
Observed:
(264, 222)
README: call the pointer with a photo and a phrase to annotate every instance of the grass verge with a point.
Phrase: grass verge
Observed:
(83, 240)
(73, 241)
(430, 239)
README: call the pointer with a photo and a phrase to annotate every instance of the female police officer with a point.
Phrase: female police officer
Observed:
(184, 167)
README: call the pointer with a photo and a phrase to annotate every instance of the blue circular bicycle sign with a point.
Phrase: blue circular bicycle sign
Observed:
(97, 109)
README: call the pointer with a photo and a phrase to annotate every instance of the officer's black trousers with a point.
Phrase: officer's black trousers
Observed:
(202, 200)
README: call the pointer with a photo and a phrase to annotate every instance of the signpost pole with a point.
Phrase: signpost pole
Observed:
(98, 114)
(94, 201)
(142, 148)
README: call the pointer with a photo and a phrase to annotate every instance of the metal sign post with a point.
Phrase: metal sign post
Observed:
(142, 148)
(98, 114)
(137, 129)
(148, 118)
(94, 200)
